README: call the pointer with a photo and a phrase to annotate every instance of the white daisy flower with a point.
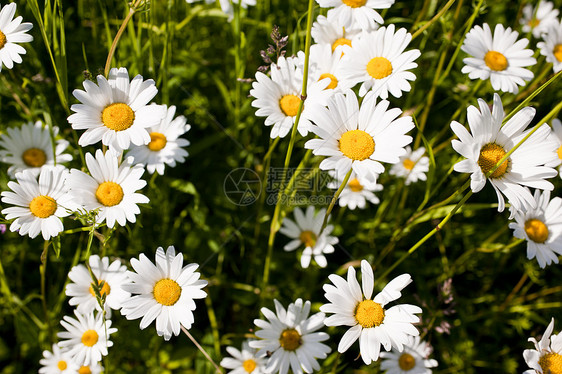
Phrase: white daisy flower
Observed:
(328, 30)
(361, 12)
(378, 61)
(165, 292)
(12, 31)
(551, 46)
(326, 65)
(306, 230)
(546, 358)
(29, 147)
(490, 142)
(357, 191)
(412, 166)
(359, 138)
(110, 279)
(165, 147)
(116, 110)
(538, 19)
(289, 335)
(87, 337)
(95, 368)
(499, 58)
(556, 137)
(110, 189)
(541, 227)
(245, 361)
(413, 360)
(57, 362)
(278, 97)
(39, 205)
(370, 321)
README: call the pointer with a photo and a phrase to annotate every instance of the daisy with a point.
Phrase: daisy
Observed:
(87, 337)
(546, 358)
(115, 110)
(165, 147)
(39, 205)
(57, 362)
(541, 227)
(538, 19)
(166, 292)
(413, 360)
(499, 58)
(245, 361)
(110, 279)
(326, 65)
(556, 137)
(90, 369)
(110, 190)
(412, 166)
(278, 98)
(357, 191)
(289, 335)
(361, 12)
(370, 321)
(12, 31)
(359, 138)
(490, 142)
(306, 231)
(551, 46)
(29, 147)
(378, 61)
(328, 30)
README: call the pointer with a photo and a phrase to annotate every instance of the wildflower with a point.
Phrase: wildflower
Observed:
(110, 279)
(87, 337)
(245, 361)
(370, 321)
(551, 46)
(413, 360)
(57, 362)
(289, 335)
(110, 190)
(328, 30)
(546, 358)
(12, 31)
(165, 292)
(538, 19)
(490, 142)
(498, 58)
(39, 205)
(29, 147)
(412, 166)
(326, 65)
(357, 191)
(358, 138)
(378, 61)
(361, 12)
(115, 110)
(306, 230)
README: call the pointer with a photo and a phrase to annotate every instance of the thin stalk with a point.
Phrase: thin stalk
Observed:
(217, 368)
(434, 19)
(334, 199)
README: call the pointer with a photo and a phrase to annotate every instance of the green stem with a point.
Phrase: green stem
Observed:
(434, 19)
(334, 199)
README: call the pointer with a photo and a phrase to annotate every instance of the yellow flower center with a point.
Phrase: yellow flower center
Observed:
(534, 22)
(495, 61)
(340, 41)
(333, 80)
(104, 291)
(308, 238)
(289, 105)
(249, 365)
(34, 157)
(118, 116)
(84, 370)
(89, 338)
(62, 365)
(43, 206)
(408, 164)
(369, 314)
(559, 152)
(157, 141)
(536, 230)
(109, 193)
(290, 339)
(379, 67)
(354, 3)
(3, 39)
(166, 292)
(490, 154)
(558, 52)
(406, 362)
(354, 185)
(357, 145)
(551, 363)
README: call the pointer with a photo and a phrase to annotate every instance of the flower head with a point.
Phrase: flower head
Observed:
(412, 166)
(12, 31)
(539, 18)
(360, 12)
(245, 361)
(546, 358)
(412, 360)
(357, 191)
(551, 46)
(57, 362)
